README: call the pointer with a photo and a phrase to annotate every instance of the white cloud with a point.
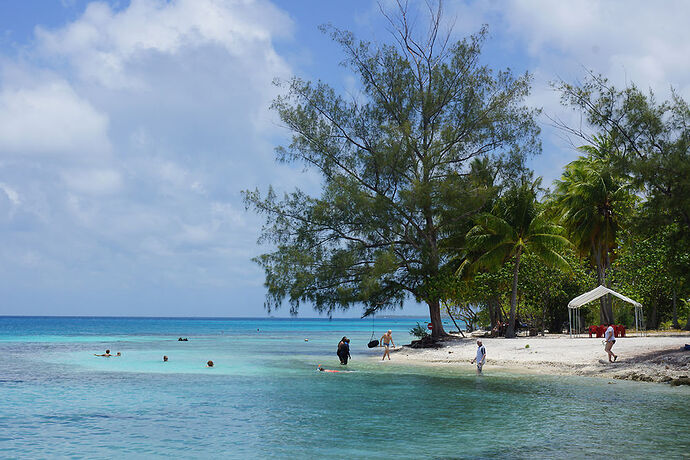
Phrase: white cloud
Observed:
(626, 40)
(102, 43)
(50, 119)
(128, 134)
(11, 193)
(93, 181)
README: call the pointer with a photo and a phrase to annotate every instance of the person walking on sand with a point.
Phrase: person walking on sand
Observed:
(610, 338)
(480, 359)
(386, 342)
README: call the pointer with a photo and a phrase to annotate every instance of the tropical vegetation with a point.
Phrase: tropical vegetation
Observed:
(425, 194)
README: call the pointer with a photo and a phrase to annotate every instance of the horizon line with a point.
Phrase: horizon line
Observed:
(203, 317)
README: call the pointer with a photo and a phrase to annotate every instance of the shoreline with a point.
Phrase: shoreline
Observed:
(661, 359)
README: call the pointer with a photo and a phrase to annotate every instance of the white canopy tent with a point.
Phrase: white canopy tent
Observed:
(594, 294)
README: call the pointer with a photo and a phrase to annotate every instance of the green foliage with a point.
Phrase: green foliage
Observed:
(515, 226)
(393, 164)
(649, 270)
(591, 201)
(649, 140)
(419, 331)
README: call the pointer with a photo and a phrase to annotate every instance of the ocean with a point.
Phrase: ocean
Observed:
(264, 398)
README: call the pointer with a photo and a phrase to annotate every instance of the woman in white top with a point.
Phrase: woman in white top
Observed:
(610, 338)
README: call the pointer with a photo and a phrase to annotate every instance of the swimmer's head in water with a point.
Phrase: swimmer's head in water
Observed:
(209, 364)
(165, 359)
(107, 352)
(118, 354)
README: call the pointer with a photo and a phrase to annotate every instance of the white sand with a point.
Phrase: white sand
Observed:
(651, 358)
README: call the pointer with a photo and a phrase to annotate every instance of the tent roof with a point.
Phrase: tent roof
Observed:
(597, 292)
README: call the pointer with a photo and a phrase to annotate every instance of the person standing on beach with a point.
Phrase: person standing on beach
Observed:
(610, 338)
(480, 359)
(386, 342)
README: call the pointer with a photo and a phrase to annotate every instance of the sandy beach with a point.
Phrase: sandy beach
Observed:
(652, 358)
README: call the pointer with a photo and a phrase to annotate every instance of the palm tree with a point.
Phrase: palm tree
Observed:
(590, 201)
(514, 226)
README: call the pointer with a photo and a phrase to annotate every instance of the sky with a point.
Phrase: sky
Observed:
(128, 130)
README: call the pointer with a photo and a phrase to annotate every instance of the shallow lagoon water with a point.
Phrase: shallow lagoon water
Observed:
(265, 399)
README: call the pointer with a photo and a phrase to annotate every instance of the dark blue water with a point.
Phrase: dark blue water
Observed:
(264, 398)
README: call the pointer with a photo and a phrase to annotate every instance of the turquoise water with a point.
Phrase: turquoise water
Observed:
(264, 398)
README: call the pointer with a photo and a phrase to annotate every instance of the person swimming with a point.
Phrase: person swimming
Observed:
(165, 359)
(209, 363)
(320, 368)
(106, 354)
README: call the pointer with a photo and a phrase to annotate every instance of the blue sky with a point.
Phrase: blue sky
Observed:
(128, 130)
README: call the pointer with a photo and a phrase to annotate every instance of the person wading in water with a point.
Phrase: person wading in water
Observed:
(344, 350)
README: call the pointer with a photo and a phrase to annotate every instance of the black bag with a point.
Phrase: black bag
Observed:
(373, 343)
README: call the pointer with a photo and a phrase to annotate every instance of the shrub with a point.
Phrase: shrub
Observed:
(419, 331)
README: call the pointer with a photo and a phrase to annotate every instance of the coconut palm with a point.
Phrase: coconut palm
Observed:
(590, 201)
(514, 227)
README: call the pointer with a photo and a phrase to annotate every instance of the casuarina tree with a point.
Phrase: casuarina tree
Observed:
(394, 160)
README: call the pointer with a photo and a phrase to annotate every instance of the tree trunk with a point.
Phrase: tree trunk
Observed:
(687, 325)
(492, 313)
(605, 309)
(435, 317)
(497, 309)
(543, 315)
(653, 316)
(675, 311)
(510, 332)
